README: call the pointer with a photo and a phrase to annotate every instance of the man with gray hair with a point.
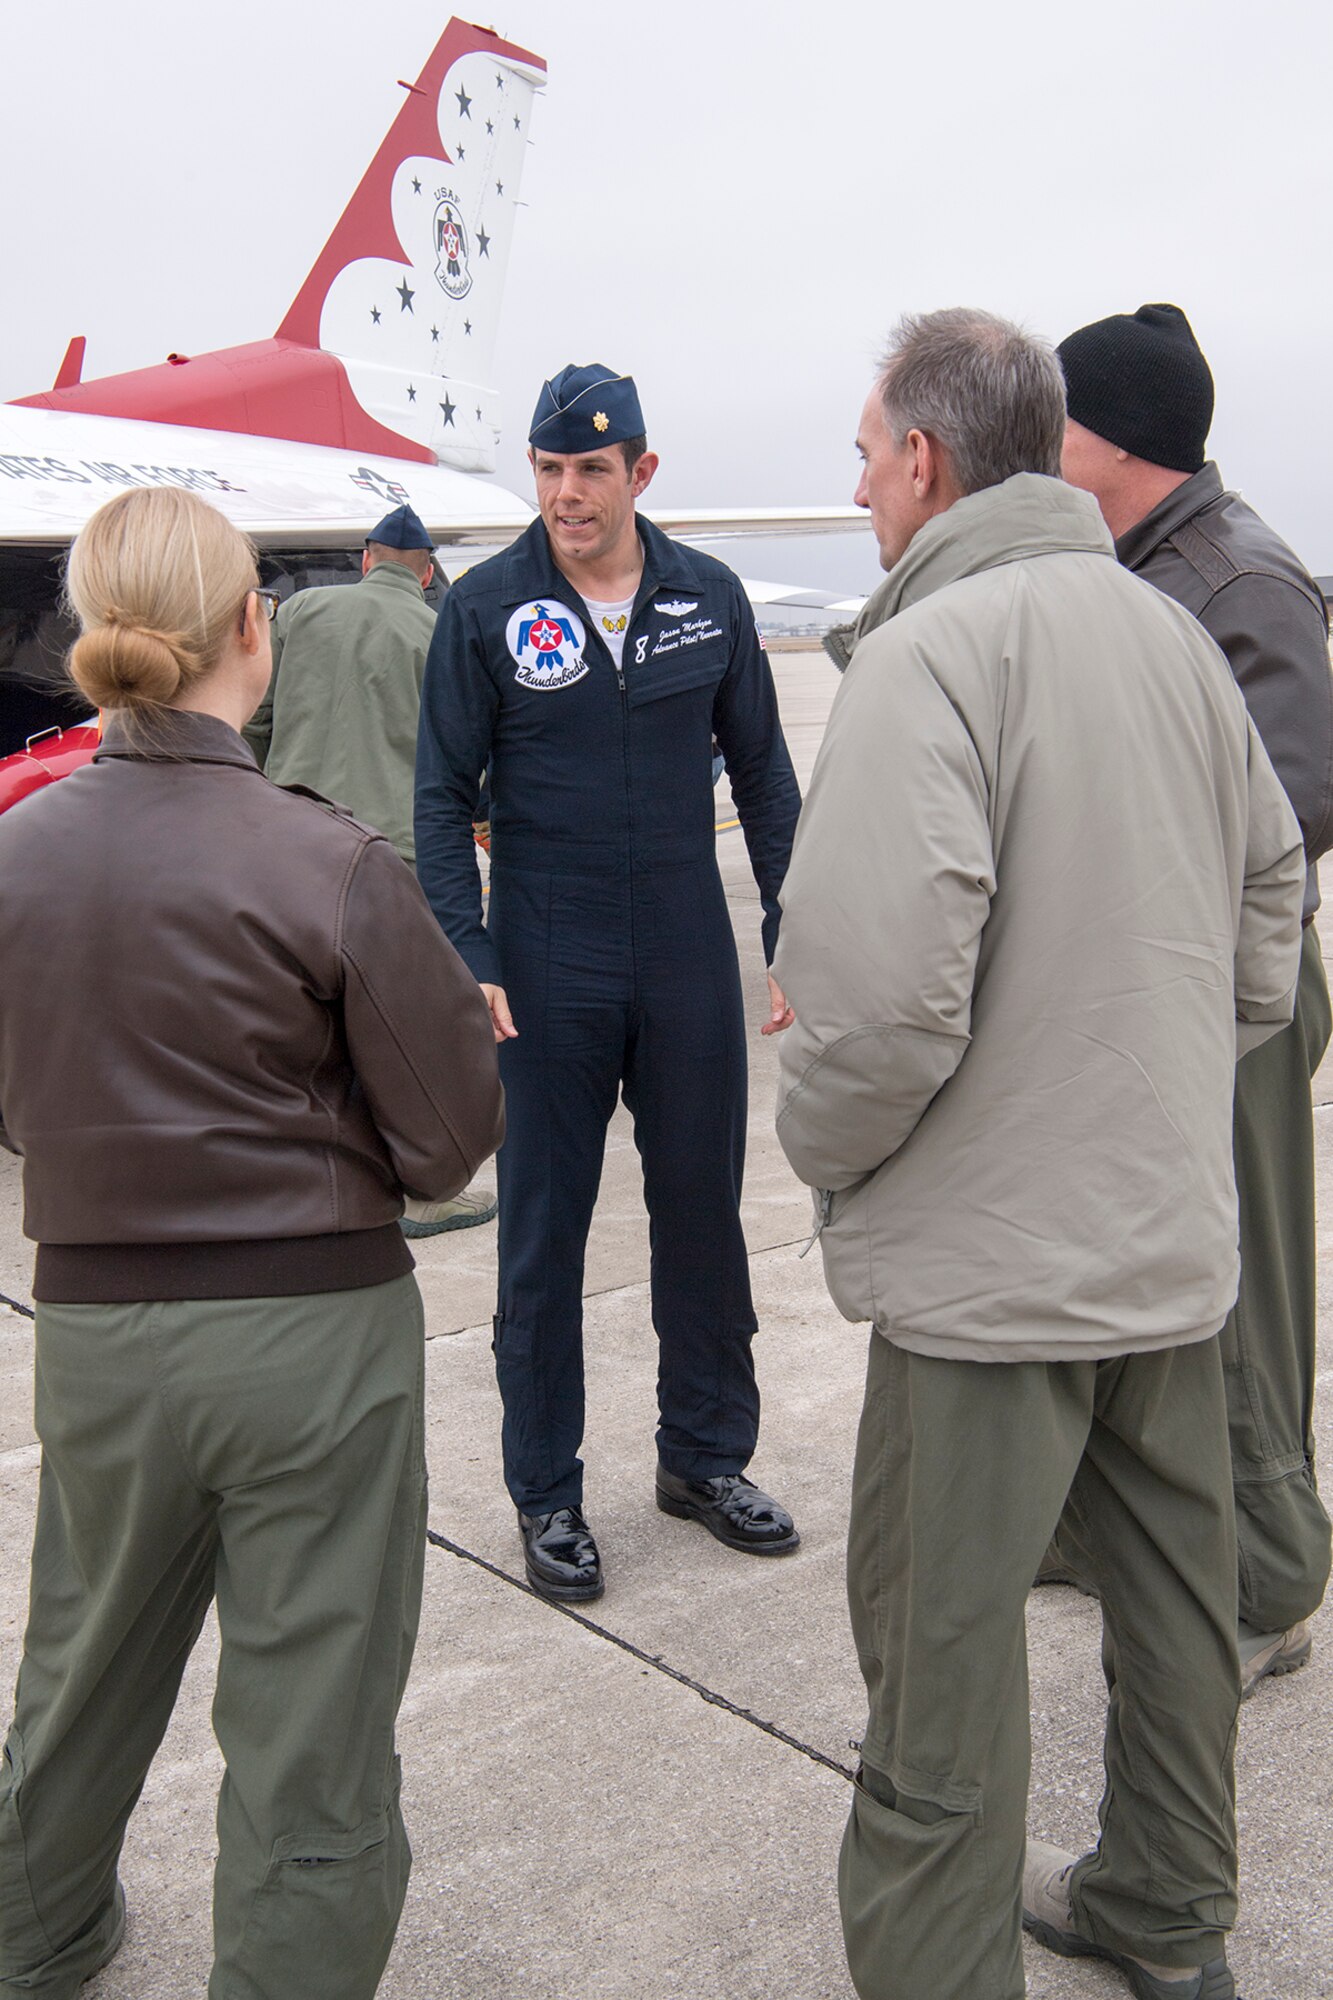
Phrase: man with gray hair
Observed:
(1009, 1082)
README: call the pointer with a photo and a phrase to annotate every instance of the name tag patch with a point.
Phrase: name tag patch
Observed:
(690, 632)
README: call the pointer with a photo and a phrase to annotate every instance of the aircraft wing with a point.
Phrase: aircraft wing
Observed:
(58, 466)
(784, 597)
(723, 523)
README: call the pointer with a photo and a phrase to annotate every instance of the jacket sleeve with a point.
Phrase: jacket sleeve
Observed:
(759, 771)
(883, 908)
(1268, 936)
(1276, 644)
(459, 705)
(418, 1031)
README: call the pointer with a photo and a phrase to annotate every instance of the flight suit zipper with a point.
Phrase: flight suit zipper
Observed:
(642, 597)
(611, 661)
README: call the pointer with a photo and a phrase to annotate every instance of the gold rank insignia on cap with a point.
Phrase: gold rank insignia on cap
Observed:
(601, 422)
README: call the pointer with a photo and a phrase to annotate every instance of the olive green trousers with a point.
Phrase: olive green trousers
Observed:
(268, 1452)
(1268, 1344)
(962, 1469)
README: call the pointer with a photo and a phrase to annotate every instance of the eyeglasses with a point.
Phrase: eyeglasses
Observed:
(270, 600)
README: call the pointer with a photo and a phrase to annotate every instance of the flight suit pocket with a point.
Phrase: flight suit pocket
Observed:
(324, 1917)
(914, 1894)
(677, 673)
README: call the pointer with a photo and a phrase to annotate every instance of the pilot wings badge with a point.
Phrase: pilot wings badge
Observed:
(450, 233)
(545, 642)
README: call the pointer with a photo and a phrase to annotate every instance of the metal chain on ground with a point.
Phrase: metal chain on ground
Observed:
(654, 1660)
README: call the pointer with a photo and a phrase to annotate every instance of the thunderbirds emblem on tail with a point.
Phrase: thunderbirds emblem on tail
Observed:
(451, 247)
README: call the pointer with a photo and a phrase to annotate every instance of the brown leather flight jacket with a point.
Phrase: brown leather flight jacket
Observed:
(230, 1029)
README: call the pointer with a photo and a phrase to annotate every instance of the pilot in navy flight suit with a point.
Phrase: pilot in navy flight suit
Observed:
(589, 667)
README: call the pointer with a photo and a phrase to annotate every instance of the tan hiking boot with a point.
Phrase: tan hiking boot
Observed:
(465, 1211)
(1265, 1653)
(1047, 1915)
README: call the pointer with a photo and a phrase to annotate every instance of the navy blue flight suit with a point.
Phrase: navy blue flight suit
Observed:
(610, 933)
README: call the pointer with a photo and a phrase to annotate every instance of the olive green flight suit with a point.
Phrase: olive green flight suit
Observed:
(340, 715)
(1268, 1343)
(269, 1453)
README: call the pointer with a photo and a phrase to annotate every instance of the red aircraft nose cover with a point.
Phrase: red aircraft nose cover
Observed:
(46, 759)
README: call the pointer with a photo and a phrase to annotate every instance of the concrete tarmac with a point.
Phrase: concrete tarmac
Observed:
(645, 1803)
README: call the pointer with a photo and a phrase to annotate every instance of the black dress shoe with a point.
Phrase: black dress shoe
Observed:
(733, 1509)
(560, 1556)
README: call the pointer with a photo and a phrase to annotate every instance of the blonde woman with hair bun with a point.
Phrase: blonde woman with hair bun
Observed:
(155, 580)
(220, 1095)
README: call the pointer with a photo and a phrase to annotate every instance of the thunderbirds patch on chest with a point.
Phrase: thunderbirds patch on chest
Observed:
(545, 642)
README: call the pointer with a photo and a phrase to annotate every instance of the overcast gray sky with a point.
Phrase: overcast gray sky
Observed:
(732, 201)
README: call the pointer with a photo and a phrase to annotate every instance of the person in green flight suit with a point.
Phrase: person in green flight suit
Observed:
(342, 721)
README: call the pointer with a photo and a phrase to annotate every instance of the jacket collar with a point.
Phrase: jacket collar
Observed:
(394, 576)
(1137, 543)
(174, 736)
(1028, 515)
(530, 570)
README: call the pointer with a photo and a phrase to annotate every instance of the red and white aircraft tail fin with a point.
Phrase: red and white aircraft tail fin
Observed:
(407, 290)
(388, 345)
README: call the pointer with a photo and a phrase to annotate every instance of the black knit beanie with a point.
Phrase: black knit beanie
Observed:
(1140, 381)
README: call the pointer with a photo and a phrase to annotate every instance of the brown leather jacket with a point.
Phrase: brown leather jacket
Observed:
(230, 1029)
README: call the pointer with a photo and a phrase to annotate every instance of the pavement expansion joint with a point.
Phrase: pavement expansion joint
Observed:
(760, 1250)
(599, 1292)
(653, 1660)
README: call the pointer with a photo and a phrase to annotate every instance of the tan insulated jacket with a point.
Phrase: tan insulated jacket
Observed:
(1044, 886)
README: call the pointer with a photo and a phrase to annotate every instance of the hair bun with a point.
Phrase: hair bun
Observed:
(121, 663)
(156, 579)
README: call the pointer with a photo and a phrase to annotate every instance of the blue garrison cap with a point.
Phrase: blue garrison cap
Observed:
(582, 408)
(401, 530)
